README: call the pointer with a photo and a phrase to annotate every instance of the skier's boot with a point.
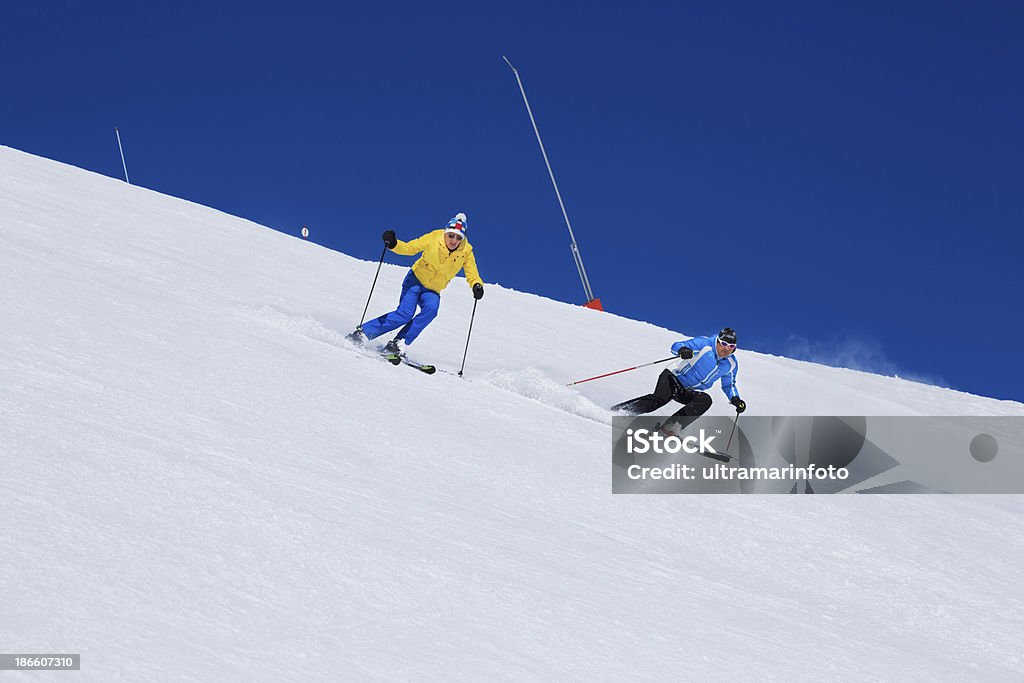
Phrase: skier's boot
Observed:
(357, 337)
(393, 352)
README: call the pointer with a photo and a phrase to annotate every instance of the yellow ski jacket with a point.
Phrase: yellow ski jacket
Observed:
(437, 266)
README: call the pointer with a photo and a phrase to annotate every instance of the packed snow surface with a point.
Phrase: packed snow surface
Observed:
(203, 481)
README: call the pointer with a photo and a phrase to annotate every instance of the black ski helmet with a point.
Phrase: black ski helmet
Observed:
(727, 335)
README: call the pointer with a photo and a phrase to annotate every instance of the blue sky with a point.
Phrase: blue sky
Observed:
(838, 181)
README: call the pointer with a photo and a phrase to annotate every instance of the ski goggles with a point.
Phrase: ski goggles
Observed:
(726, 344)
(456, 235)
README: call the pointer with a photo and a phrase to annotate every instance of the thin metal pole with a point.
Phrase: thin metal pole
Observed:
(121, 149)
(732, 432)
(609, 374)
(466, 352)
(362, 318)
(575, 248)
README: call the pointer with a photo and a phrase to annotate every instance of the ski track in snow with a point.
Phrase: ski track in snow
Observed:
(530, 383)
(204, 481)
(533, 384)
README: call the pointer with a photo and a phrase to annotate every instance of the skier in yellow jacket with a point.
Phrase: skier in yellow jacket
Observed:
(444, 253)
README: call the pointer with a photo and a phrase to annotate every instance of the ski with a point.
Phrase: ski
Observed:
(395, 359)
(721, 457)
(422, 367)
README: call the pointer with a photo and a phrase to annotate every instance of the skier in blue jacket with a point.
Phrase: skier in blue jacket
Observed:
(703, 361)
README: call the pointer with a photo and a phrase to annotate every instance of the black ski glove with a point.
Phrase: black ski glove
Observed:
(740, 404)
(686, 353)
(389, 239)
(478, 291)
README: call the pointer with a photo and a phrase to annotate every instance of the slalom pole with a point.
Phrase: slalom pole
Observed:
(367, 306)
(121, 149)
(609, 374)
(576, 256)
(466, 352)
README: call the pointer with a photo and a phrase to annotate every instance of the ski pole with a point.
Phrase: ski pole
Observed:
(733, 431)
(609, 374)
(466, 352)
(367, 306)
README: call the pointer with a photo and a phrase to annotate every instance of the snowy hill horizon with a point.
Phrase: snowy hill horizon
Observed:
(205, 481)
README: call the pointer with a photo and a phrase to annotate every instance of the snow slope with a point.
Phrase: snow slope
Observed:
(203, 481)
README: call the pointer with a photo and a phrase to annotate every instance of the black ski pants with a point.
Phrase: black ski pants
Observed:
(668, 389)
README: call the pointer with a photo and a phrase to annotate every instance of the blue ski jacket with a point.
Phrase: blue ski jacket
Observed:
(706, 368)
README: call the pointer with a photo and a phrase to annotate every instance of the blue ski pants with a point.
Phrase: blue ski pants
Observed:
(413, 294)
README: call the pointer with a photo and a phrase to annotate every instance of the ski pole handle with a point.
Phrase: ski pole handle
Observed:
(609, 374)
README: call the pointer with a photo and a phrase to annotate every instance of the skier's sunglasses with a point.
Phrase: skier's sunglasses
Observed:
(456, 235)
(728, 346)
